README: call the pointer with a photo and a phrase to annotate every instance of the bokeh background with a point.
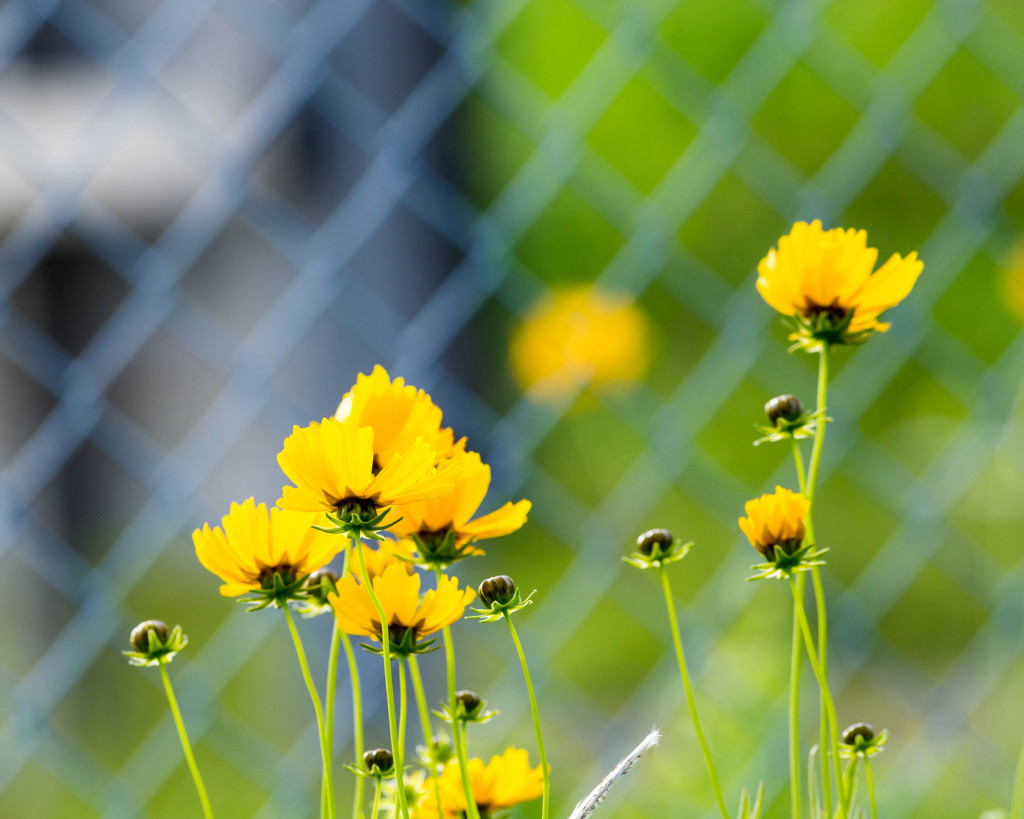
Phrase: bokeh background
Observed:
(214, 214)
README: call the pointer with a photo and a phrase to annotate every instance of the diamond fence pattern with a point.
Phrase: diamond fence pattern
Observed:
(316, 212)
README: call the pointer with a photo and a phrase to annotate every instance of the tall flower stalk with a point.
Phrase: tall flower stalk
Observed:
(428, 734)
(328, 783)
(385, 640)
(186, 746)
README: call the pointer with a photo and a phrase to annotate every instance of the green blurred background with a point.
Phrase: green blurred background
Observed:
(218, 213)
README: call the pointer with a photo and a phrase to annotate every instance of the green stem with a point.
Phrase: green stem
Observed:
(849, 780)
(376, 798)
(826, 695)
(403, 707)
(428, 732)
(186, 746)
(317, 707)
(871, 788)
(357, 720)
(460, 749)
(385, 640)
(332, 677)
(795, 663)
(357, 699)
(819, 592)
(545, 772)
(1017, 805)
(690, 699)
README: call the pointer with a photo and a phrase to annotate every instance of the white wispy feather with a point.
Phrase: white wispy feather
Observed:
(596, 797)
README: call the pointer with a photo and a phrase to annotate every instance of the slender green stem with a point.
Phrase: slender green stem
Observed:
(1017, 804)
(849, 782)
(357, 720)
(460, 749)
(332, 677)
(317, 707)
(690, 699)
(403, 706)
(376, 798)
(545, 772)
(428, 732)
(826, 695)
(795, 664)
(819, 593)
(357, 698)
(871, 787)
(389, 689)
(186, 746)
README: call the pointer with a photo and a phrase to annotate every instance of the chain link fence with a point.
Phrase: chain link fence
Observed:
(213, 214)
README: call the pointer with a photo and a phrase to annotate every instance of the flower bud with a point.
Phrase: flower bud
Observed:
(500, 590)
(470, 701)
(653, 538)
(858, 729)
(381, 758)
(786, 407)
(140, 634)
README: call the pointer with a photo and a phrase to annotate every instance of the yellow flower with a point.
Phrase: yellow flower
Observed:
(399, 415)
(331, 464)
(824, 279)
(255, 543)
(505, 781)
(775, 520)
(387, 553)
(409, 616)
(431, 522)
(577, 337)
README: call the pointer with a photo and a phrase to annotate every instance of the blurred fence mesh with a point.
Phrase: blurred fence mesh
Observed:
(215, 213)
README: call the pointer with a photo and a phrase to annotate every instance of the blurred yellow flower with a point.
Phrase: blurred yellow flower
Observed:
(255, 543)
(824, 279)
(775, 520)
(1013, 282)
(442, 527)
(332, 466)
(410, 617)
(505, 781)
(388, 553)
(398, 413)
(580, 336)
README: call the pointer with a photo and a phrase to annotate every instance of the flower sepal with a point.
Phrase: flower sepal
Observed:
(439, 550)
(824, 330)
(277, 590)
(803, 426)
(468, 708)
(787, 564)
(358, 518)
(437, 754)
(403, 643)
(378, 764)
(154, 644)
(656, 548)
(316, 590)
(499, 596)
(860, 740)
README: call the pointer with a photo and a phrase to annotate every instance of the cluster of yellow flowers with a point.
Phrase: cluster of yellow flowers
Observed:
(383, 469)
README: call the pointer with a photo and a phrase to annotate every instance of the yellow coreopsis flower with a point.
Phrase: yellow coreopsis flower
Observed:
(332, 466)
(444, 529)
(505, 781)
(577, 337)
(399, 415)
(255, 543)
(410, 617)
(775, 520)
(826, 281)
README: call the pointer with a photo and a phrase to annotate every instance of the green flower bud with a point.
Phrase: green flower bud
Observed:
(500, 590)
(654, 538)
(786, 407)
(470, 701)
(858, 729)
(140, 634)
(381, 759)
